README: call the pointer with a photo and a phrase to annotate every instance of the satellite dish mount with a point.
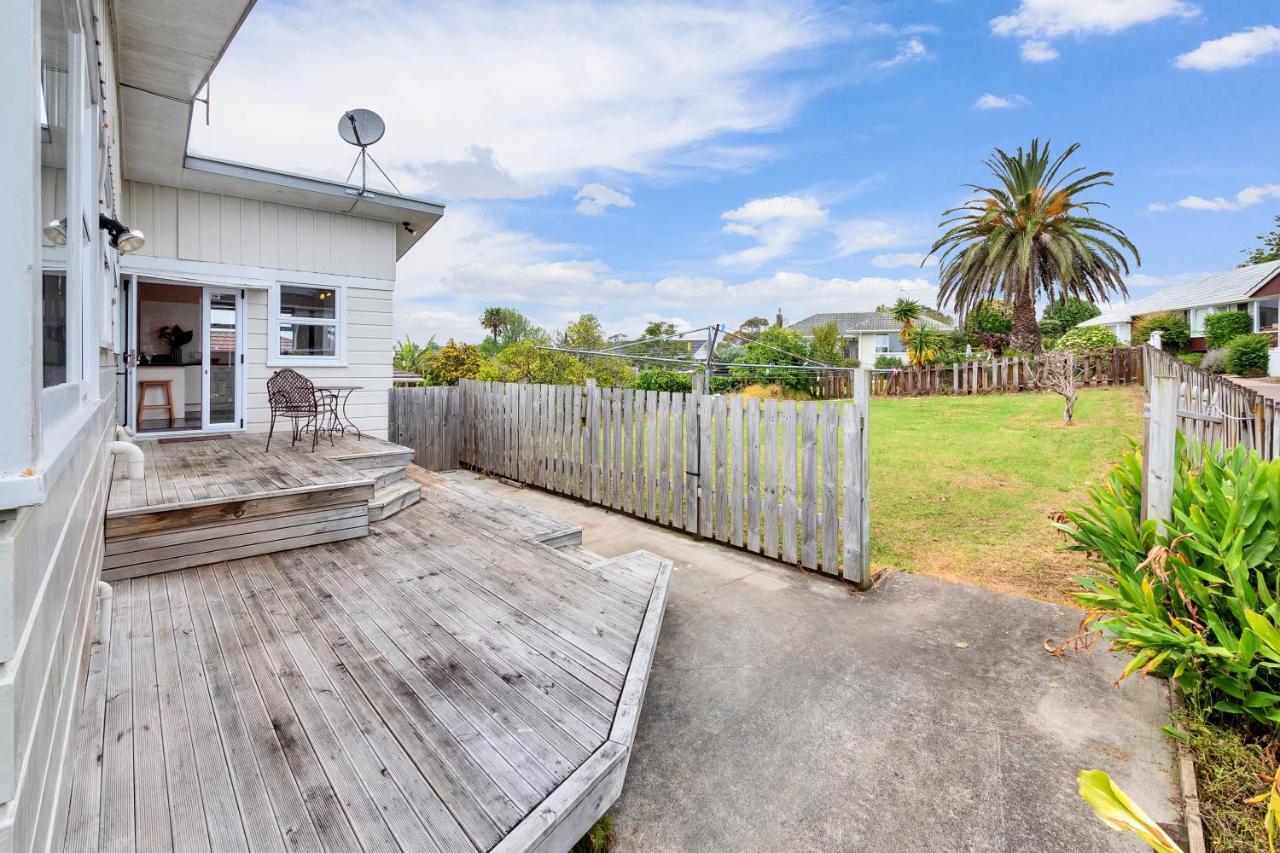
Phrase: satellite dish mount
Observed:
(363, 128)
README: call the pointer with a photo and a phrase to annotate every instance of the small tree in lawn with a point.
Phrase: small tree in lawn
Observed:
(1056, 372)
(826, 345)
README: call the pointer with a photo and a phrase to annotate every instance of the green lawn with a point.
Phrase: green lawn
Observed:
(961, 487)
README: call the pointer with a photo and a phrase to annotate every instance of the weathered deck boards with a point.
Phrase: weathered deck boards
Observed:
(448, 682)
(225, 498)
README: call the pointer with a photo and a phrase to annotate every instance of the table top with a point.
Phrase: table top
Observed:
(339, 387)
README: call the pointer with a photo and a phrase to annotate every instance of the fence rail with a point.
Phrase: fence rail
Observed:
(1212, 409)
(1120, 366)
(784, 479)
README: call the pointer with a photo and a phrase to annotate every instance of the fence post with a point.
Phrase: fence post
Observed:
(589, 446)
(1159, 451)
(856, 519)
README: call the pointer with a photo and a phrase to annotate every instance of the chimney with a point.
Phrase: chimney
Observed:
(779, 320)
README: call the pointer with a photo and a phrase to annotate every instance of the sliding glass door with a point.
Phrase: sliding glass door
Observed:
(223, 358)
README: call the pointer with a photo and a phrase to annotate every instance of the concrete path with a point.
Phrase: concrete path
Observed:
(786, 712)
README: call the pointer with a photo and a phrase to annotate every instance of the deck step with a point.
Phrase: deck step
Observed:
(580, 555)
(384, 476)
(376, 457)
(389, 500)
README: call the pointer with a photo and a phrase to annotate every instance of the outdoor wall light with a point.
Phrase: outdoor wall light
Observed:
(123, 238)
(56, 232)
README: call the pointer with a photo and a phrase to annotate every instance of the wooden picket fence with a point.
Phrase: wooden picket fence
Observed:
(427, 418)
(1119, 366)
(784, 479)
(1215, 410)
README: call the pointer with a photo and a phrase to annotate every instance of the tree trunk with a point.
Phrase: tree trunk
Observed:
(1026, 331)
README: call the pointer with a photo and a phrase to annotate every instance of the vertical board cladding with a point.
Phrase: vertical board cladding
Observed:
(786, 480)
(200, 226)
(50, 562)
(368, 362)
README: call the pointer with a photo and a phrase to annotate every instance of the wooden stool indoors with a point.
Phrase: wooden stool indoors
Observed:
(165, 385)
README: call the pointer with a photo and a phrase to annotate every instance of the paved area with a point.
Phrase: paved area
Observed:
(787, 712)
(1268, 387)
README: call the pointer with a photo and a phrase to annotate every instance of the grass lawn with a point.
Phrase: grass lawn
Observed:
(961, 487)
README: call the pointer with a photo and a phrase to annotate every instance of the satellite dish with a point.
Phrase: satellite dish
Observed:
(361, 127)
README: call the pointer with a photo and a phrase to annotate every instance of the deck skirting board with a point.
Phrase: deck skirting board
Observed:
(134, 556)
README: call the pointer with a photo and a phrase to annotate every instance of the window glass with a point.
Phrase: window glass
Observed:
(54, 324)
(311, 302)
(1268, 315)
(304, 339)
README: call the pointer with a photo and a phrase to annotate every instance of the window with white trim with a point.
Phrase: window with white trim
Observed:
(306, 325)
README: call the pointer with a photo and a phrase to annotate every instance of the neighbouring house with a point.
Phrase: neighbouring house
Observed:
(1255, 289)
(867, 335)
(244, 270)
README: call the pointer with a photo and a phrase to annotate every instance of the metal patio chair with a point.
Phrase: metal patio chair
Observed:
(294, 396)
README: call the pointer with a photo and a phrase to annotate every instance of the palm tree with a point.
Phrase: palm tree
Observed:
(906, 312)
(923, 344)
(494, 319)
(1031, 235)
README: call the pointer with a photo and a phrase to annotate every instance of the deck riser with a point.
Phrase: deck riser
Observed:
(365, 461)
(378, 513)
(213, 513)
(135, 556)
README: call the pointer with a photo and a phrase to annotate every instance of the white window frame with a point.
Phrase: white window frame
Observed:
(274, 318)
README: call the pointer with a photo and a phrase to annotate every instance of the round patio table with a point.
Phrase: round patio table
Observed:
(341, 420)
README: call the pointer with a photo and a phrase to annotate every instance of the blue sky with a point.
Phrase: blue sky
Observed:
(702, 163)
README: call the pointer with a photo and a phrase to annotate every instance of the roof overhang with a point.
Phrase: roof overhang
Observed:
(415, 216)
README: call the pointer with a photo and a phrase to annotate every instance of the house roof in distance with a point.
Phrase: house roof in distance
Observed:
(858, 321)
(1221, 288)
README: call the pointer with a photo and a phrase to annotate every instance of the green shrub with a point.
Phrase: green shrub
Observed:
(1248, 352)
(1199, 602)
(662, 380)
(887, 362)
(1191, 358)
(1175, 333)
(1069, 313)
(1219, 329)
(725, 384)
(1083, 339)
(1215, 361)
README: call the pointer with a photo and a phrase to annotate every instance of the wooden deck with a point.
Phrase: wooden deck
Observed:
(449, 682)
(226, 497)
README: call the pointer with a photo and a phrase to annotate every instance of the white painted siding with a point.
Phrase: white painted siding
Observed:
(368, 349)
(199, 226)
(50, 561)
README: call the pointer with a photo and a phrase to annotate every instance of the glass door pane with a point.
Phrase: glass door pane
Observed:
(223, 357)
(167, 358)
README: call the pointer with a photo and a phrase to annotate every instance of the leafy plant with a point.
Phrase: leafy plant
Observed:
(1215, 361)
(662, 380)
(887, 362)
(1069, 312)
(923, 344)
(1085, 339)
(827, 345)
(494, 319)
(1220, 328)
(1248, 352)
(1114, 808)
(1175, 334)
(1197, 602)
(455, 361)
(598, 839)
(1031, 234)
(1191, 358)
(1269, 250)
(774, 346)
(1271, 797)
(905, 312)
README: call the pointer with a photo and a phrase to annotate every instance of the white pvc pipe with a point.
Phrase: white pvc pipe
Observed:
(133, 452)
(104, 612)
(122, 433)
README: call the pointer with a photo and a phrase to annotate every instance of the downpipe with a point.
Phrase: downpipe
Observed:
(132, 452)
(104, 612)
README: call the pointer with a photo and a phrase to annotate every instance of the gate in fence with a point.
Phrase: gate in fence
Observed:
(779, 478)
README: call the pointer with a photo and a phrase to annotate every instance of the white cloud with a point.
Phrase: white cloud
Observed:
(1037, 22)
(1037, 50)
(998, 102)
(894, 260)
(911, 50)
(476, 107)
(682, 288)
(777, 224)
(1233, 51)
(1247, 197)
(594, 198)
(859, 235)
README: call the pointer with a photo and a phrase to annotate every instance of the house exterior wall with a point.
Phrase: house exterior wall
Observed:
(198, 226)
(54, 462)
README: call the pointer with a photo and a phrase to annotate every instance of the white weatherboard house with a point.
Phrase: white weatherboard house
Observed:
(867, 335)
(1254, 289)
(244, 270)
